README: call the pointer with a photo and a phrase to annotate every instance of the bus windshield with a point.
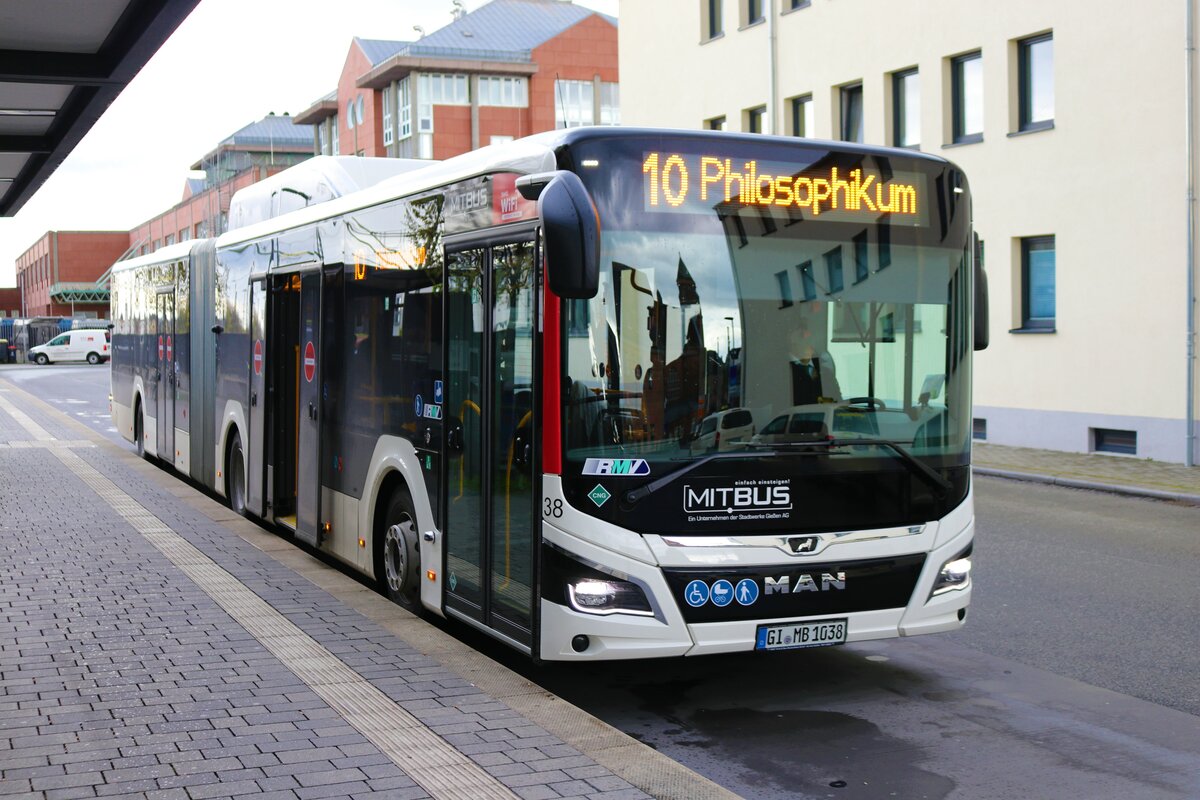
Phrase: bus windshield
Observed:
(762, 315)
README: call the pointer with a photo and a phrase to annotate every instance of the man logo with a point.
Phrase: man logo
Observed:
(804, 544)
(616, 467)
(804, 583)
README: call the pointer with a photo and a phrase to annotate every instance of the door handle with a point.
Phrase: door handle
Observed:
(254, 398)
(312, 411)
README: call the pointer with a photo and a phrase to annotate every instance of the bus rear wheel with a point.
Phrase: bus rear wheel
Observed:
(399, 562)
(139, 430)
(235, 476)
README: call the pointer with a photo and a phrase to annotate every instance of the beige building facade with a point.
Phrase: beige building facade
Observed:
(1070, 121)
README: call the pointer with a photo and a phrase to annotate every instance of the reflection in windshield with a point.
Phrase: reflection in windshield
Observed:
(728, 337)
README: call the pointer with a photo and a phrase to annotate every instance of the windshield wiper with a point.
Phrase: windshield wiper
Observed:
(644, 491)
(915, 465)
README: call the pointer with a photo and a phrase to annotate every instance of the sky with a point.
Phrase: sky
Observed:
(230, 63)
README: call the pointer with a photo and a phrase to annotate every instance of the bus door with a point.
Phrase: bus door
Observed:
(256, 446)
(308, 435)
(165, 344)
(491, 465)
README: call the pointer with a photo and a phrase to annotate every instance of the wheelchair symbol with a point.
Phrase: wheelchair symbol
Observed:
(696, 594)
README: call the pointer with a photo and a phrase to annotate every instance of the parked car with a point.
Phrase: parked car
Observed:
(90, 345)
(724, 430)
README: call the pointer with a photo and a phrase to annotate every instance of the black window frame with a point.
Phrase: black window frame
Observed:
(799, 4)
(797, 106)
(1024, 84)
(715, 123)
(786, 299)
(755, 118)
(958, 106)
(848, 91)
(1031, 244)
(899, 105)
(756, 12)
(716, 27)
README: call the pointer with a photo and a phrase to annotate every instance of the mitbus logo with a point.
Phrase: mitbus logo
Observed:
(727, 499)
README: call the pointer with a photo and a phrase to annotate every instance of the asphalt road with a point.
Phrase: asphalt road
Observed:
(1078, 675)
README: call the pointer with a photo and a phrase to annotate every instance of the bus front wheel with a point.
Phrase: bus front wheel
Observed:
(400, 553)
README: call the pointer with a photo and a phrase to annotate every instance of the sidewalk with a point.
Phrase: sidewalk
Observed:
(153, 644)
(1111, 473)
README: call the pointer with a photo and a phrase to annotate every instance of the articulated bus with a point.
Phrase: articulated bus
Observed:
(492, 385)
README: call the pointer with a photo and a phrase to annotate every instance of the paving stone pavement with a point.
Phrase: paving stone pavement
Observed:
(120, 677)
(1091, 470)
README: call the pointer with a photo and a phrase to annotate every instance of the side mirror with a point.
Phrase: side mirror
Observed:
(981, 296)
(572, 232)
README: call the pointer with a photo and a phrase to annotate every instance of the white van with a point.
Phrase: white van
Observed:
(90, 345)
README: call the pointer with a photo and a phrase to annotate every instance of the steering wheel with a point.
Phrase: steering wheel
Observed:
(871, 402)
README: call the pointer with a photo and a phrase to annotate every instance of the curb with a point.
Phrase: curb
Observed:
(1075, 483)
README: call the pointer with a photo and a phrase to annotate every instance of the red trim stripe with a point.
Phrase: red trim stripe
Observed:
(551, 379)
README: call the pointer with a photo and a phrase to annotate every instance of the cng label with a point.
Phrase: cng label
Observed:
(258, 356)
(310, 361)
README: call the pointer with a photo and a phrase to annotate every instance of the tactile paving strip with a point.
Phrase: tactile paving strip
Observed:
(429, 760)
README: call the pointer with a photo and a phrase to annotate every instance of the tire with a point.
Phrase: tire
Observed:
(235, 477)
(93, 358)
(42, 359)
(139, 430)
(398, 558)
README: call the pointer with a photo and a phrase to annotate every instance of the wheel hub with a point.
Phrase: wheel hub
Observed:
(397, 544)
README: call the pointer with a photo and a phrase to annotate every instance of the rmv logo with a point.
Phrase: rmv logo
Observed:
(616, 466)
(804, 583)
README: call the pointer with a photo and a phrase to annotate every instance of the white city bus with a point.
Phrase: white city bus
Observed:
(480, 382)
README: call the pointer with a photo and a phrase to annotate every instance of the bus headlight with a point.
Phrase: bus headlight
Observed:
(607, 596)
(955, 574)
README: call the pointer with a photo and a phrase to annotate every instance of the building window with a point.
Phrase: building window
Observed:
(1107, 440)
(1035, 57)
(322, 140)
(574, 104)
(755, 117)
(978, 428)
(1037, 283)
(966, 85)
(443, 89)
(713, 24)
(404, 106)
(861, 267)
(785, 288)
(906, 109)
(334, 141)
(833, 270)
(794, 4)
(388, 134)
(802, 115)
(852, 113)
(495, 90)
(753, 10)
(715, 124)
(610, 104)
(807, 282)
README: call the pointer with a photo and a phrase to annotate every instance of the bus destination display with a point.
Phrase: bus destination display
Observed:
(694, 183)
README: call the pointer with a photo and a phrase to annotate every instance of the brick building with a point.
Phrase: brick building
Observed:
(58, 275)
(262, 148)
(10, 302)
(503, 71)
